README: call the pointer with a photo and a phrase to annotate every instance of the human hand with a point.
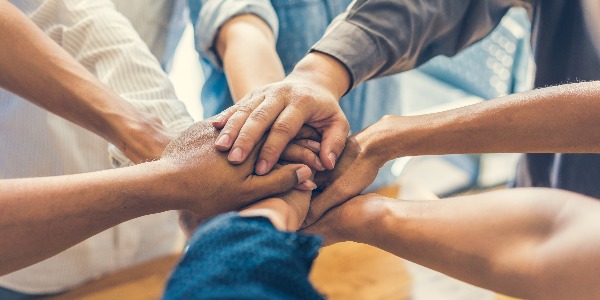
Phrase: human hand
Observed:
(307, 96)
(351, 221)
(143, 138)
(286, 211)
(202, 180)
(356, 170)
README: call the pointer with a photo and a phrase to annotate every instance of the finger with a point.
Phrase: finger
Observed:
(314, 146)
(284, 129)
(330, 197)
(308, 185)
(221, 119)
(334, 140)
(298, 154)
(323, 178)
(233, 125)
(280, 180)
(321, 228)
(308, 132)
(252, 129)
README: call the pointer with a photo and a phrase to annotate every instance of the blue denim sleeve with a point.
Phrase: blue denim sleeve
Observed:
(211, 15)
(234, 257)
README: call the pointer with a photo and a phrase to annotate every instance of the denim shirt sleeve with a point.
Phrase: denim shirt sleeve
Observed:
(214, 14)
(381, 37)
(234, 257)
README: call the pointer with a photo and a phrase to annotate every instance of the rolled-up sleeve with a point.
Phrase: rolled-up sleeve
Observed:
(374, 38)
(215, 13)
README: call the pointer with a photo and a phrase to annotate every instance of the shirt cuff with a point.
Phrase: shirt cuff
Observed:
(214, 14)
(354, 48)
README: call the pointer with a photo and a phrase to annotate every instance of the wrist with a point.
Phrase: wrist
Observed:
(277, 211)
(145, 189)
(364, 226)
(166, 187)
(396, 136)
(374, 141)
(321, 70)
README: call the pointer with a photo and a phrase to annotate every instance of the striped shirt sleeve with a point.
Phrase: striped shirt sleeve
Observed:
(104, 42)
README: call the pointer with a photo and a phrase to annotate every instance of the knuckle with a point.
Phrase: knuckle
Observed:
(290, 152)
(231, 125)
(269, 151)
(282, 127)
(307, 155)
(244, 137)
(346, 125)
(260, 116)
(244, 108)
(338, 141)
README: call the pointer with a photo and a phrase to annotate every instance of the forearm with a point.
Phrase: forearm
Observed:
(36, 68)
(381, 37)
(104, 42)
(535, 243)
(44, 216)
(549, 120)
(246, 46)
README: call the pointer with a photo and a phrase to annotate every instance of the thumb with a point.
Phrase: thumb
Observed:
(280, 179)
(321, 229)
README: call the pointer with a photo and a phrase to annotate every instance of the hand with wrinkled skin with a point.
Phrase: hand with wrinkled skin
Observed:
(356, 170)
(192, 159)
(304, 97)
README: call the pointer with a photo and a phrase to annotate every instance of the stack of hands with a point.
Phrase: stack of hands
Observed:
(297, 190)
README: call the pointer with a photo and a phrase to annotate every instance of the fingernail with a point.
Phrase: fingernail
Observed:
(314, 146)
(319, 164)
(223, 141)
(309, 185)
(261, 167)
(332, 157)
(236, 155)
(303, 174)
(301, 187)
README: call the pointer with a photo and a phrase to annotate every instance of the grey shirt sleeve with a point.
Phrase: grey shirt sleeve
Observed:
(380, 37)
(215, 13)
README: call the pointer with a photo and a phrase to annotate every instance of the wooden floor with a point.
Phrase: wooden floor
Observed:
(344, 271)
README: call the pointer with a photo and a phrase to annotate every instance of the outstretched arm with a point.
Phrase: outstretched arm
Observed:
(549, 120)
(43, 216)
(528, 243)
(39, 70)
(559, 119)
(246, 46)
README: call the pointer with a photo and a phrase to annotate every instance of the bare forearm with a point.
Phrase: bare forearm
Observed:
(519, 242)
(44, 216)
(36, 68)
(556, 119)
(247, 47)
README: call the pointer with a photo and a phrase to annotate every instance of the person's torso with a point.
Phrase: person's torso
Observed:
(35, 143)
(565, 52)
